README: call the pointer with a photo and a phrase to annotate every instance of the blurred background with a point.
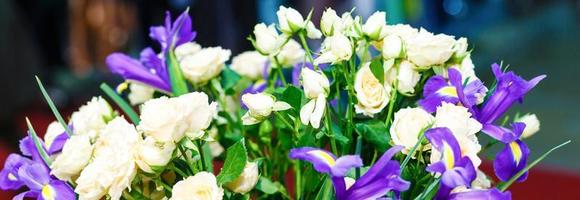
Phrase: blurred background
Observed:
(65, 43)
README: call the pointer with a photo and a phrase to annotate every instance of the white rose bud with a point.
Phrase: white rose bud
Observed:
(407, 77)
(163, 119)
(186, 49)
(330, 22)
(199, 113)
(460, 47)
(260, 106)
(336, 48)
(92, 117)
(201, 186)
(75, 155)
(314, 83)
(205, 64)
(392, 47)
(267, 39)
(375, 26)
(426, 49)
(291, 54)
(150, 154)
(139, 93)
(53, 130)
(407, 125)
(312, 32)
(247, 180)
(290, 20)
(532, 125)
(372, 96)
(249, 64)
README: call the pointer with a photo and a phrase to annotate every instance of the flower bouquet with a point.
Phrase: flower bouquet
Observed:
(378, 112)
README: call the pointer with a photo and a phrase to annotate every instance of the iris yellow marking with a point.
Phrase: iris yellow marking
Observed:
(516, 151)
(448, 91)
(324, 156)
(48, 192)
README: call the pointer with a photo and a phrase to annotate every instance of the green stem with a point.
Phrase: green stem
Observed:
(392, 102)
(187, 158)
(358, 151)
(284, 121)
(127, 109)
(53, 107)
(298, 180)
(429, 189)
(201, 154)
(306, 48)
(412, 151)
(329, 129)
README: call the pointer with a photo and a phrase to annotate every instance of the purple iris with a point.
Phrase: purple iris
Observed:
(58, 143)
(509, 89)
(381, 178)
(455, 169)
(476, 194)
(513, 157)
(9, 179)
(41, 185)
(151, 69)
(438, 90)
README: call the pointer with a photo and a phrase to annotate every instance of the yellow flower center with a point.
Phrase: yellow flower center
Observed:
(48, 192)
(448, 91)
(516, 151)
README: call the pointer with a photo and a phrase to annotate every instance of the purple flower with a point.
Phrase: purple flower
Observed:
(58, 143)
(28, 148)
(455, 169)
(513, 157)
(325, 162)
(438, 90)
(41, 185)
(476, 194)
(171, 35)
(9, 179)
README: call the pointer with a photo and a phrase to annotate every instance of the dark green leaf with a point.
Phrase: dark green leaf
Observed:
(127, 109)
(229, 80)
(326, 192)
(378, 70)
(292, 96)
(234, 164)
(374, 132)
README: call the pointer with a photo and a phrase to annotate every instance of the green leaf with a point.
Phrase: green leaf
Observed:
(266, 186)
(178, 84)
(378, 70)
(326, 191)
(293, 96)
(53, 107)
(229, 80)
(374, 132)
(37, 144)
(234, 164)
(127, 109)
(504, 185)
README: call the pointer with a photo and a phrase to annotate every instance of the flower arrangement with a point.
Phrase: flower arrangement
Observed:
(380, 111)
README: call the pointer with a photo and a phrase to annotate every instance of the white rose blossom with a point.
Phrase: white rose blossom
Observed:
(331, 23)
(290, 54)
(199, 113)
(205, 64)
(312, 32)
(163, 119)
(336, 48)
(267, 39)
(426, 49)
(150, 154)
(247, 180)
(460, 47)
(375, 26)
(186, 49)
(53, 130)
(139, 93)
(92, 117)
(404, 31)
(316, 88)
(75, 155)
(532, 125)
(372, 96)
(249, 64)
(407, 125)
(201, 186)
(290, 20)
(392, 47)
(260, 106)
(407, 77)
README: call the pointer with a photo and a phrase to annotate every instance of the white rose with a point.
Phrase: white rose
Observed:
(267, 39)
(336, 48)
(53, 130)
(91, 117)
(532, 125)
(139, 93)
(290, 20)
(460, 47)
(330, 22)
(113, 167)
(249, 64)
(372, 96)
(186, 49)
(375, 26)
(312, 32)
(458, 120)
(75, 155)
(290, 54)
(199, 112)
(247, 180)
(407, 77)
(150, 153)
(392, 47)
(163, 119)
(201, 186)
(426, 49)
(407, 125)
(260, 106)
(314, 83)
(205, 64)
(404, 31)
(313, 111)
(481, 181)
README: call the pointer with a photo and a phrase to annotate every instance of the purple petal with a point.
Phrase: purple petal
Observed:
(58, 143)
(322, 160)
(34, 176)
(442, 137)
(339, 187)
(27, 194)
(431, 96)
(182, 30)
(132, 69)
(378, 168)
(9, 179)
(62, 191)
(152, 61)
(462, 175)
(28, 148)
(491, 194)
(510, 160)
(345, 163)
(388, 180)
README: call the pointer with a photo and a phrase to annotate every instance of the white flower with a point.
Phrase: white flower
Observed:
(140, 93)
(150, 153)
(75, 155)
(260, 106)
(186, 49)
(407, 77)
(250, 64)
(163, 119)
(481, 181)
(205, 64)
(113, 167)
(312, 32)
(372, 96)
(460, 47)
(404, 31)
(375, 26)
(53, 130)
(407, 125)
(331, 23)
(247, 180)
(336, 48)
(291, 54)
(426, 49)
(313, 111)
(199, 112)
(392, 47)
(290, 20)
(532, 125)
(314, 83)
(458, 120)
(201, 186)
(92, 117)
(267, 39)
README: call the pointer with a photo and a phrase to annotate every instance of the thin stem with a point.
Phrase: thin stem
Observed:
(392, 102)
(307, 49)
(412, 151)
(284, 121)
(429, 189)
(201, 154)
(187, 159)
(298, 179)
(329, 129)
(358, 151)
